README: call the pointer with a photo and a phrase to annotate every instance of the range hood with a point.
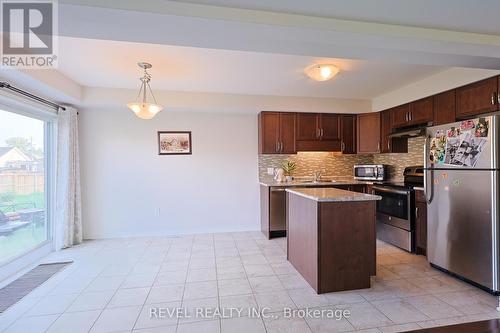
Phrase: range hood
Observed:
(408, 133)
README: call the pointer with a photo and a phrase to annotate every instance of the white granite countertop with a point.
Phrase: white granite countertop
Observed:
(332, 181)
(329, 194)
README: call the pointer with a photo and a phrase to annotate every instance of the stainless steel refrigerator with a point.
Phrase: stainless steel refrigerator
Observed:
(461, 188)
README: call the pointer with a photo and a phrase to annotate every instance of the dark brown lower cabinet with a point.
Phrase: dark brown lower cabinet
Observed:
(369, 189)
(420, 223)
(361, 188)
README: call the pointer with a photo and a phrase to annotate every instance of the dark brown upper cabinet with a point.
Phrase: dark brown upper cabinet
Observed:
(477, 98)
(387, 144)
(415, 113)
(287, 133)
(277, 133)
(307, 127)
(348, 129)
(368, 138)
(444, 108)
(421, 111)
(385, 130)
(399, 115)
(318, 132)
(329, 125)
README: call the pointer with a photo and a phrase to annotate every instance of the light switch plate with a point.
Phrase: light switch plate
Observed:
(270, 171)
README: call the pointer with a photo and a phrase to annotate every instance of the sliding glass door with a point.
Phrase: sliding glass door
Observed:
(25, 146)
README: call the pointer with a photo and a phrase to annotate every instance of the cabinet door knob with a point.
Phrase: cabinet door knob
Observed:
(416, 212)
(389, 144)
(498, 97)
(378, 146)
(277, 146)
(493, 98)
(318, 132)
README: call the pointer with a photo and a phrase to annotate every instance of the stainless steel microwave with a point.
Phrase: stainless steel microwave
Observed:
(370, 172)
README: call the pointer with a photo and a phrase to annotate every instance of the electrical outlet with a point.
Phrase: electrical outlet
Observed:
(270, 171)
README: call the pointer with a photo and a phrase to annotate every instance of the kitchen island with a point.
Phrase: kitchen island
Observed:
(273, 203)
(331, 237)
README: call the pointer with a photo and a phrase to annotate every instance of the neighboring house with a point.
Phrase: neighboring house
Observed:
(13, 157)
(19, 173)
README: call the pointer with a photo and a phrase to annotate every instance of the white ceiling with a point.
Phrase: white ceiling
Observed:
(112, 64)
(183, 23)
(480, 16)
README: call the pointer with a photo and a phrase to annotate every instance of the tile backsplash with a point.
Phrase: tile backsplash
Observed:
(335, 164)
(331, 164)
(398, 162)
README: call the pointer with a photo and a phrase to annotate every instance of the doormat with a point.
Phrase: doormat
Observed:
(17, 289)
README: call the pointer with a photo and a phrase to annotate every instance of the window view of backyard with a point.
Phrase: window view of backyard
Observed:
(22, 185)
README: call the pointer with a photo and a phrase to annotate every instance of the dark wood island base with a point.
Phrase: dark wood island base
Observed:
(331, 238)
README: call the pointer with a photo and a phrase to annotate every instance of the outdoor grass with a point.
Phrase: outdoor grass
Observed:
(22, 201)
(21, 240)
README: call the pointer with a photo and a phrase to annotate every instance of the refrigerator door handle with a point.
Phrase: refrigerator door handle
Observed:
(427, 190)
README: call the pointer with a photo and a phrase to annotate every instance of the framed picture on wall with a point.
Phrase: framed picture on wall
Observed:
(174, 143)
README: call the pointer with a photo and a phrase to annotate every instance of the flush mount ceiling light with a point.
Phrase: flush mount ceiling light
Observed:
(143, 109)
(322, 72)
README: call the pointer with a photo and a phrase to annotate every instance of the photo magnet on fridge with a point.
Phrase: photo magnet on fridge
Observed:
(481, 129)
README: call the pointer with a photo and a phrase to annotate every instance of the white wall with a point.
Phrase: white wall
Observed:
(445, 80)
(129, 190)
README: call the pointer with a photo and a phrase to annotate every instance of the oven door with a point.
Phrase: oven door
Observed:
(394, 208)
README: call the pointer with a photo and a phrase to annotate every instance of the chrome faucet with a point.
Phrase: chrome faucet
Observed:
(317, 176)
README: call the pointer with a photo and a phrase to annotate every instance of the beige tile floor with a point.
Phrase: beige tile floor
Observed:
(113, 284)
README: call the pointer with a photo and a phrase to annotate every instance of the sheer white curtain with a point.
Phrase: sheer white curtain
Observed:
(68, 213)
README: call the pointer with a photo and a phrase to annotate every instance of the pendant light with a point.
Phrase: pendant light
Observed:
(143, 109)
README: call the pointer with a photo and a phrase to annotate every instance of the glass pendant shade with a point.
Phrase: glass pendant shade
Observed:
(143, 109)
(322, 72)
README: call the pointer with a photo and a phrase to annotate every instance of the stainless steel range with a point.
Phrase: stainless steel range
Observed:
(395, 217)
